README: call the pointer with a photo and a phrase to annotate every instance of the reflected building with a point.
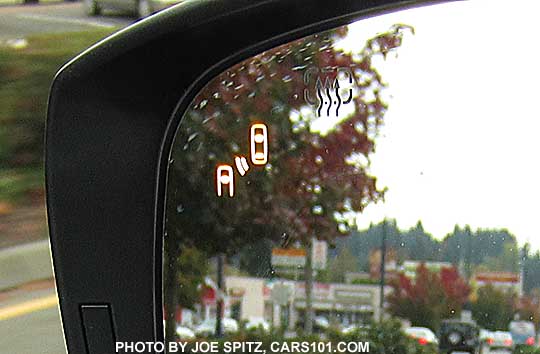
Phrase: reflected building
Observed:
(339, 303)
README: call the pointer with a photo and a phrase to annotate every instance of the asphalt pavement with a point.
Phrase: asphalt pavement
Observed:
(30, 320)
(35, 333)
(20, 21)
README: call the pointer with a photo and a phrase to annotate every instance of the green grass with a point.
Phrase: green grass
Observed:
(26, 75)
(16, 184)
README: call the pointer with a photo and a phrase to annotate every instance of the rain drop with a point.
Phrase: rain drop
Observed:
(317, 210)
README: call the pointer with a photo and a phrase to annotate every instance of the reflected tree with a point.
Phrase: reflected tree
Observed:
(429, 298)
(493, 308)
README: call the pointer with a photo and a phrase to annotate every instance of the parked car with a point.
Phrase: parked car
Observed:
(485, 337)
(423, 335)
(501, 340)
(208, 327)
(354, 328)
(255, 323)
(320, 323)
(459, 336)
(523, 333)
(142, 8)
(185, 333)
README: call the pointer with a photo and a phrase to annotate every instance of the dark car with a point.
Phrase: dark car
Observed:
(142, 8)
(459, 336)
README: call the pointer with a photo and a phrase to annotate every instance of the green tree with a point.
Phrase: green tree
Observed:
(192, 268)
(343, 263)
(493, 308)
(532, 272)
(528, 309)
(507, 260)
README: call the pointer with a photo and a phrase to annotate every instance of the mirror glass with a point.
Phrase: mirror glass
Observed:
(375, 183)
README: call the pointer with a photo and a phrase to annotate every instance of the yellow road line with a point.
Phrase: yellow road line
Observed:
(28, 307)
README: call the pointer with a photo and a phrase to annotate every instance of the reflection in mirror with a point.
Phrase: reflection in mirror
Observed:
(369, 184)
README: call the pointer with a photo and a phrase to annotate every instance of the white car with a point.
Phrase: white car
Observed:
(321, 322)
(255, 323)
(423, 335)
(185, 333)
(352, 328)
(208, 327)
(501, 340)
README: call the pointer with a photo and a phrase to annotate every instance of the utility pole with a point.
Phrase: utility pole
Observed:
(308, 316)
(383, 270)
(468, 265)
(220, 295)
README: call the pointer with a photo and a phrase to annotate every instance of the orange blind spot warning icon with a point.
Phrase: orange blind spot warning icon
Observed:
(259, 144)
(225, 177)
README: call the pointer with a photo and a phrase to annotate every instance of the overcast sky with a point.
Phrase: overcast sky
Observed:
(461, 140)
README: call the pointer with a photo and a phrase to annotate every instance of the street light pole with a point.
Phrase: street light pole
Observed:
(220, 295)
(383, 270)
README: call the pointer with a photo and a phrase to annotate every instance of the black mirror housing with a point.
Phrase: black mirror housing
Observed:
(110, 127)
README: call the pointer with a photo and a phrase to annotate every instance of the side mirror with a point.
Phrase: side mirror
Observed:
(206, 159)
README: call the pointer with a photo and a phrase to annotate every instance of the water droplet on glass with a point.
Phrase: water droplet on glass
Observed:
(192, 136)
(287, 78)
(216, 95)
(179, 208)
(317, 210)
(318, 160)
(203, 104)
(343, 228)
(299, 67)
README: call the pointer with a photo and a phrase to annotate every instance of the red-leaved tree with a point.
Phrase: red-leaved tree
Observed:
(430, 297)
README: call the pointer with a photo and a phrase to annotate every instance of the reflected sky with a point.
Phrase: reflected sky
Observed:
(460, 141)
